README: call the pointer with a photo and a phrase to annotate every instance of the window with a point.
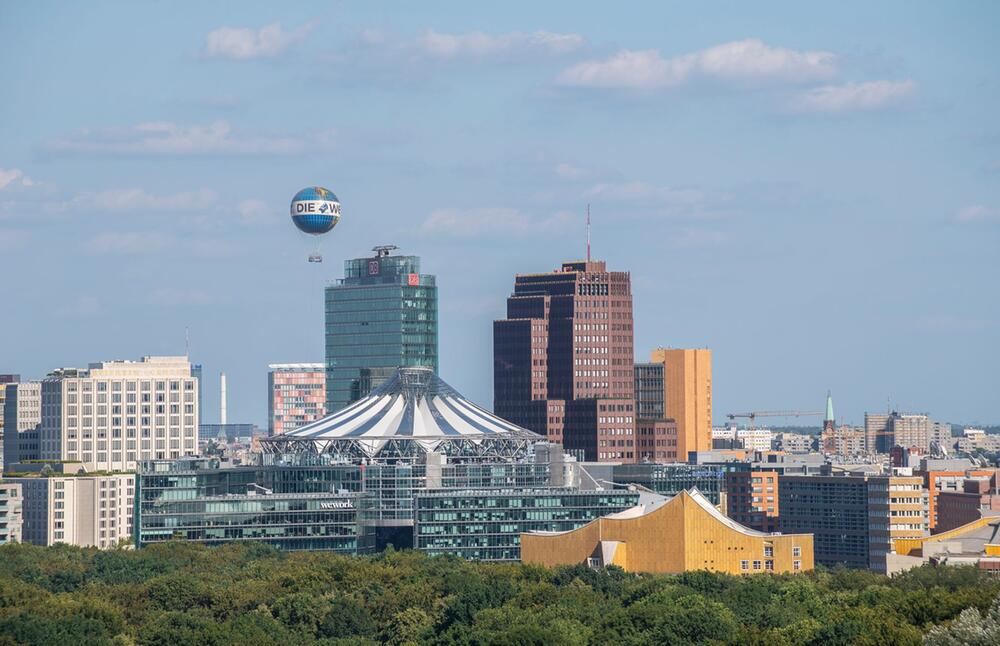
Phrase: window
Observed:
(769, 566)
(768, 551)
(744, 565)
(796, 551)
(756, 565)
(796, 565)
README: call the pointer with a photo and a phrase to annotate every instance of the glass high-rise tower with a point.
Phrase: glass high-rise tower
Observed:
(381, 316)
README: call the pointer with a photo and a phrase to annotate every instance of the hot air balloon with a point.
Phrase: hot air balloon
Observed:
(315, 210)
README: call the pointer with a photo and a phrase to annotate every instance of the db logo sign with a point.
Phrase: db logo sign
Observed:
(373, 268)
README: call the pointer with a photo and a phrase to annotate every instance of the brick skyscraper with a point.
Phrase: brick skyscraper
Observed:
(563, 361)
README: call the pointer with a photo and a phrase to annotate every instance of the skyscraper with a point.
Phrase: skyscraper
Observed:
(687, 399)
(563, 361)
(382, 315)
(296, 393)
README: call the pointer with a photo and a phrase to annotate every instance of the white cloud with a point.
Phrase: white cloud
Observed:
(479, 222)
(569, 171)
(137, 200)
(873, 95)
(254, 210)
(244, 43)
(166, 138)
(744, 61)
(977, 213)
(642, 192)
(15, 177)
(129, 243)
(476, 44)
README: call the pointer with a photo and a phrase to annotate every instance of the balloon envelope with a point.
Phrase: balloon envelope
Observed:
(315, 210)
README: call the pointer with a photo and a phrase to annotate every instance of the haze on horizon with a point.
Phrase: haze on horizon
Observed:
(812, 192)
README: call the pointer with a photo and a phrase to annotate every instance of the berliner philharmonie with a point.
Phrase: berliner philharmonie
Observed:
(413, 464)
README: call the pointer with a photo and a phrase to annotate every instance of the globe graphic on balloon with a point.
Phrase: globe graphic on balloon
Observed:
(315, 210)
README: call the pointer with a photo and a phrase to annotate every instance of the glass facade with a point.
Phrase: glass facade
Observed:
(649, 391)
(297, 506)
(487, 524)
(671, 479)
(295, 501)
(382, 315)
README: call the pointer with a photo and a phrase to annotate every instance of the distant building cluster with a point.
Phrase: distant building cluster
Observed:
(587, 456)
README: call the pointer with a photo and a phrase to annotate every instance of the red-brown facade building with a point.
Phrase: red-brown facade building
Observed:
(563, 360)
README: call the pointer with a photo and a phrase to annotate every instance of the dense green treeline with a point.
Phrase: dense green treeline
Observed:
(183, 594)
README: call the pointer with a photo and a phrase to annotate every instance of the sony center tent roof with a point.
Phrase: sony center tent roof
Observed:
(411, 413)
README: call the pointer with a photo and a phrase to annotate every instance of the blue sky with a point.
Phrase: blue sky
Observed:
(813, 192)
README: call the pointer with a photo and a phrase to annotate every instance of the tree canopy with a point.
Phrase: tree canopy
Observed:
(242, 593)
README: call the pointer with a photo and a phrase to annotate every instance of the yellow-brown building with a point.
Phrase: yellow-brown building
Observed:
(687, 396)
(682, 534)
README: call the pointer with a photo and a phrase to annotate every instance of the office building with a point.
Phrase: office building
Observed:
(656, 436)
(381, 316)
(296, 395)
(854, 518)
(844, 441)
(943, 476)
(911, 430)
(487, 524)
(752, 499)
(977, 498)
(11, 503)
(22, 422)
(751, 439)
(4, 380)
(907, 430)
(793, 442)
(684, 534)
(295, 506)
(85, 510)
(834, 509)
(897, 509)
(878, 432)
(688, 396)
(114, 413)
(563, 360)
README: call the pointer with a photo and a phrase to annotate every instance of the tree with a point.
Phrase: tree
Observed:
(971, 628)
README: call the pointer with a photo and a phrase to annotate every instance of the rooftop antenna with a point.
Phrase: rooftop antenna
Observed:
(588, 232)
(187, 342)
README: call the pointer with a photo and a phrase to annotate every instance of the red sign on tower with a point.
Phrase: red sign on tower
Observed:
(413, 280)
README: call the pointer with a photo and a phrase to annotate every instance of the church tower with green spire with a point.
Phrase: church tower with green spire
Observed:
(828, 420)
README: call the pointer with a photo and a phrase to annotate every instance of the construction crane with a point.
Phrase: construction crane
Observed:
(752, 415)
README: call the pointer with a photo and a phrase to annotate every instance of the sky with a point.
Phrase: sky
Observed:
(811, 191)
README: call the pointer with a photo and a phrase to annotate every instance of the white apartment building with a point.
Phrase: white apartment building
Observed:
(10, 512)
(85, 510)
(754, 439)
(113, 414)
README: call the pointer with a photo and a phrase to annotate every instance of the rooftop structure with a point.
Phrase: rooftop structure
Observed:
(413, 413)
